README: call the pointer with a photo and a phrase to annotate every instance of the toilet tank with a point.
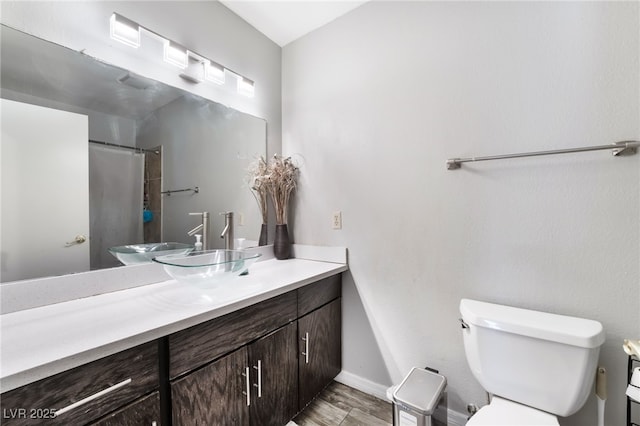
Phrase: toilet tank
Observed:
(542, 360)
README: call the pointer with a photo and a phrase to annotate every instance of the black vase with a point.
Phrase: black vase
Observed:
(263, 235)
(282, 244)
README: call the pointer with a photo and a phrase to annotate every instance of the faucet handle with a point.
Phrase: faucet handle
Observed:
(226, 213)
(203, 214)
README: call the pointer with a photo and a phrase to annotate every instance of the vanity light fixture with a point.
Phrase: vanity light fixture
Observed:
(175, 54)
(196, 68)
(214, 72)
(246, 87)
(124, 30)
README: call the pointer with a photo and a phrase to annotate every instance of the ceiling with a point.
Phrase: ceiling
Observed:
(284, 21)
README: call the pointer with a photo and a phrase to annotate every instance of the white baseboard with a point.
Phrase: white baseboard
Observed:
(380, 391)
(362, 384)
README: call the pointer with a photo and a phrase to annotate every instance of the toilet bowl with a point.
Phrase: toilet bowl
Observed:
(537, 365)
(502, 412)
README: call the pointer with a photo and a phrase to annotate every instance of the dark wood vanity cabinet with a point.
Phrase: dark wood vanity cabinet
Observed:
(254, 385)
(274, 364)
(213, 395)
(319, 336)
(198, 345)
(142, 412)
(285, 351)
(320, 350)
(85, 393)
(257, 366)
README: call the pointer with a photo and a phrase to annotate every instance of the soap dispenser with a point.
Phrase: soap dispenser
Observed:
(198, 244)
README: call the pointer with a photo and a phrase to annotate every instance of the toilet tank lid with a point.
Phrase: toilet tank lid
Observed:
(541, 325)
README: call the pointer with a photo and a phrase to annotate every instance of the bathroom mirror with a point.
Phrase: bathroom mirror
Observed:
(189, 155)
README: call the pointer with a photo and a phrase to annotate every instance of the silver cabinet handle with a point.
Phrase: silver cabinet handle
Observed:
(259, 385)
(247, 385)
(92, 397)
(306, 347)
(79, 239)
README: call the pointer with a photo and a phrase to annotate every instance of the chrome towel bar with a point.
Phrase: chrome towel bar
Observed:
(168, 193)
(618, 149)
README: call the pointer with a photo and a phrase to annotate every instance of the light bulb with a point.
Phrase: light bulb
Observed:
(214, 72)
(246, 87)
(175, 54)
(124, 30)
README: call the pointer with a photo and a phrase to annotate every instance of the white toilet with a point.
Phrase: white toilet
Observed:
(536, 365)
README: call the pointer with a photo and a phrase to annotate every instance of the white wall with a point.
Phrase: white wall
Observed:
(206, 27)
(376, 101)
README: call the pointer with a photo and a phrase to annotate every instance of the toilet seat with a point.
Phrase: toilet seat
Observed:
(502, 412)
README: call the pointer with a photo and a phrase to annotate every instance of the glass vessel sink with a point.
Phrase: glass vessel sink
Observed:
(207, 268)
(143, 253)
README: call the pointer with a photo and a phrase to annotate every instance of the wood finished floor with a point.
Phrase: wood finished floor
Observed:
(341, 405)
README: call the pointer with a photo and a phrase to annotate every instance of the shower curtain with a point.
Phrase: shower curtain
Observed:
(116, 182)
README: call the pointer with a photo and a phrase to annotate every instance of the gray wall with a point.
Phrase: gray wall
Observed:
(206, 27)
(376, 101)
(210, 146)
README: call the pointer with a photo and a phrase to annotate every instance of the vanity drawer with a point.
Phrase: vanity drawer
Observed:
(319, 293)
(143, 412)
(200, 344)
(84, 393)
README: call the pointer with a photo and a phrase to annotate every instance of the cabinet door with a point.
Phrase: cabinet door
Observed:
(213, 395)
(320, 349)
(274, 366)
(144, 412)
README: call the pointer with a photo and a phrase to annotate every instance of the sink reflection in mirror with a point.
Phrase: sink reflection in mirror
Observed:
(192, 141)
(136, 254)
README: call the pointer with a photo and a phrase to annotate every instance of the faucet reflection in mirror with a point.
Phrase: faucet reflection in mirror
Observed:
(195, 67)
(203, 228)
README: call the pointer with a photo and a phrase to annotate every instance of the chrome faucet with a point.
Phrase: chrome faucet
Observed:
(227, 232)
(204, 227)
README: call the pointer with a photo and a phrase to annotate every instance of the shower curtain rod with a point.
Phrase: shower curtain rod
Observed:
(133, 148)
(618, 149)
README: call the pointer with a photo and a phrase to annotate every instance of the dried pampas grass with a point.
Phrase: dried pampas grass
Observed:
(257, 174)
(278, 178)
(281, 180)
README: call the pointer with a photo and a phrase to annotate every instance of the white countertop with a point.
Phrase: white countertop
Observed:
(42, 341)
